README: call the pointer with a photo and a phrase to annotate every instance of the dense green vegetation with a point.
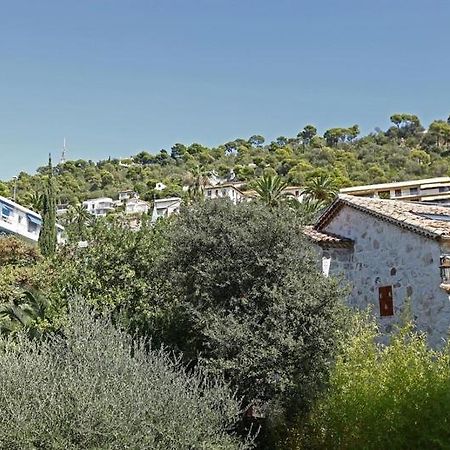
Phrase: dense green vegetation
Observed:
(404, 151)
(219, 299)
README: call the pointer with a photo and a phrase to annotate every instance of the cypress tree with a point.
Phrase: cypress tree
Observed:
(47, 236)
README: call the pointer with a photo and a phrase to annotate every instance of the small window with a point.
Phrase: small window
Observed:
(384, 194)
(386, 301)
(413, 191)
(444, 188)
(209, 192)
(398, 192)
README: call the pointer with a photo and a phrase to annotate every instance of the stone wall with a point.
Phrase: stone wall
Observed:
(387, 255)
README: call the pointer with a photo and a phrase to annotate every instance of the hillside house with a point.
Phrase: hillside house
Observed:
(136, 206)
(229, 190)
(127, 195)
(390, 251)
(165, 207)
(17, 220)
(99, 206)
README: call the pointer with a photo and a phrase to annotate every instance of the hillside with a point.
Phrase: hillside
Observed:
(405, 151)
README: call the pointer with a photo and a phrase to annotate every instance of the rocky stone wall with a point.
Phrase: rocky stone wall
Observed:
(386, 255)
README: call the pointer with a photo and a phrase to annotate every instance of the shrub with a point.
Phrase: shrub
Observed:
(250, 301)
(395, 396)
(14, 252)
(93, 388)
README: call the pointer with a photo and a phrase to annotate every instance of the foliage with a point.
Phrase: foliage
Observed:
(15, 252)
(270, 189)
(248, 301)
(91, 387)
(395, 396)
(47, 235)
(341, 153)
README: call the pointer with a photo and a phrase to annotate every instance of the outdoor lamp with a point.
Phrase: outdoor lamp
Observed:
(445, 268)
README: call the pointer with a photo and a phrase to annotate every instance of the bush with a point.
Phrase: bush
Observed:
(250, 302)
(94, 389)
(14, 252)
(395, 396)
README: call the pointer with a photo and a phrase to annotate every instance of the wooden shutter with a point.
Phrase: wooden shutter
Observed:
(386, 301)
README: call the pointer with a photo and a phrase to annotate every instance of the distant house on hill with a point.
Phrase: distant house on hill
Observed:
(136, 206)
(17, 220)
(126, 195)
(165, 207)
(436, 190)
(390, 251)
(228, 190)
(99, 206)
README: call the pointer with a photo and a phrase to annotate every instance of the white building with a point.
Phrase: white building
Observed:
(99, 206)
(126, 195)
(136, 206)
(390, 251)
(20, 221)
(229, 191)
(165, 207)
(436, 190)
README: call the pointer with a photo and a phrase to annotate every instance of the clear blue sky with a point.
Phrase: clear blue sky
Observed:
(116, 77)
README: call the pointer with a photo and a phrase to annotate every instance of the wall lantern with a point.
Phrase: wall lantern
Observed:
(445, 269)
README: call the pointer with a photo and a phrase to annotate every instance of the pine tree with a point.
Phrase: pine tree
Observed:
(47, 236)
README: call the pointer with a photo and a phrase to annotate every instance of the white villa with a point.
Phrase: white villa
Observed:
(17, 220)
(229, 190)
(99, 206)
(127, 195)
(390, 251)
(136, 206)
(165, 207)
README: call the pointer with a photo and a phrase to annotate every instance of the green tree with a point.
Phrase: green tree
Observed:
(247, 300)
(197, 181)
(307, 134)
(395, 396)
(321, 188)
(270, 189)
(47, 235)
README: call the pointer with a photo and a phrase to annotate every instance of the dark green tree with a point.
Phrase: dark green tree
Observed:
(48, 234)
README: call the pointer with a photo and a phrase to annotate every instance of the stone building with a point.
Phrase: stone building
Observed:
(390, 251)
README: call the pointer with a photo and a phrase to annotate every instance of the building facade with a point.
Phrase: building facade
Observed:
(165, 207)
(17, 220)
(391, 254)
(99, 206)
(436, 190)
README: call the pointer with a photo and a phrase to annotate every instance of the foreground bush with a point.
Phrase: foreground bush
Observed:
(94, 389)
(250, 301)
(395, 397)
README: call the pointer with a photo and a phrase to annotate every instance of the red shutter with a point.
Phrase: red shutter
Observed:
(386, 301)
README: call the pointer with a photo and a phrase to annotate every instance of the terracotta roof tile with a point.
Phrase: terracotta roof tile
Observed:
(326, 239)
(426, 219)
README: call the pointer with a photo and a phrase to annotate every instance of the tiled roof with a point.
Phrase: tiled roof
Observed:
(326, 239)
(429, 220)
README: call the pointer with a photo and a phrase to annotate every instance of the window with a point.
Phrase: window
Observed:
(384, 194)
(413, 191)
(398, 192)
(209, 192)
(386, 301)
(444, 188)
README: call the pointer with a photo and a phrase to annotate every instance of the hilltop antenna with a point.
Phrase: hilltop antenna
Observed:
(63, 154)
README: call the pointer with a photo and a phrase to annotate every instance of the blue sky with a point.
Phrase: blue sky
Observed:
(116, 77)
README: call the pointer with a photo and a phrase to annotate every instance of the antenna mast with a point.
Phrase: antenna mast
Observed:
(63, 154)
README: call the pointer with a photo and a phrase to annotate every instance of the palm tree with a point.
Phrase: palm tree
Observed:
(78, 218)
(197, 181)
(270, 189)
(36, 201)
(321, 188)
(308, 209)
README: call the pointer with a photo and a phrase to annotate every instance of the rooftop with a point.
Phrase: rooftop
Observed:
(398, 184)
(426, 219)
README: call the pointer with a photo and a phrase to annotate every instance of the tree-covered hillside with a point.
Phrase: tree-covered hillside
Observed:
(405, 151)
